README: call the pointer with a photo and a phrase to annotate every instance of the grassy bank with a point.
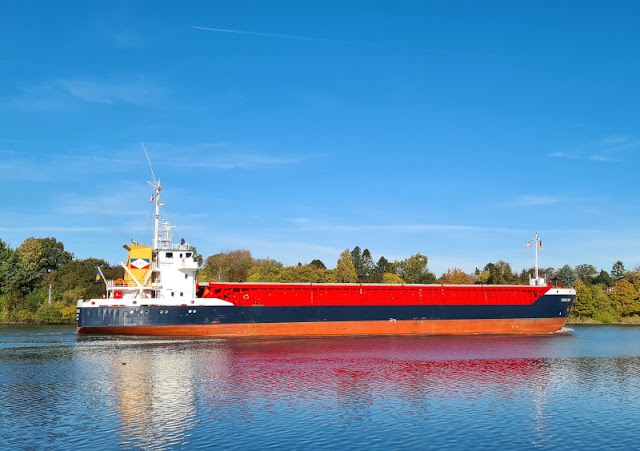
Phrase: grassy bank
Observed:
(605, 319)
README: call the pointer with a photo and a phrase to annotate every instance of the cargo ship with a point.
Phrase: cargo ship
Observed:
(160, 295)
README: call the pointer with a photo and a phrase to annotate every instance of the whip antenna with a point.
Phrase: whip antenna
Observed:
(156, 193)
(150, 167)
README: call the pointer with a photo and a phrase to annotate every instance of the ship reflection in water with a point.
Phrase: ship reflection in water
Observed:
(176, 393)
(563, 391)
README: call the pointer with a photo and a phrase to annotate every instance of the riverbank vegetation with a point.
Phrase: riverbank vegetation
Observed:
(27, 272)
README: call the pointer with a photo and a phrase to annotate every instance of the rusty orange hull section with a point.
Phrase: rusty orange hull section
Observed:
(414, 327)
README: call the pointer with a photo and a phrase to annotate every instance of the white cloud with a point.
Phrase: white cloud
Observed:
(603, 158)
(607, 149)
(533, 201)
(63, 94)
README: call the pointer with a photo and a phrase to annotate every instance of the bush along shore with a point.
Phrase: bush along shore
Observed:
(40, 282)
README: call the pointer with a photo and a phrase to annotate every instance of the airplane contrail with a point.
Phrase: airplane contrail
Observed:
(272, 35)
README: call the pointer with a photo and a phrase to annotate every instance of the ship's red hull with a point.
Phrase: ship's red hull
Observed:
(412, 327)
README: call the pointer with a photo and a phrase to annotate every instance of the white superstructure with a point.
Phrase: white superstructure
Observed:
(161, 274)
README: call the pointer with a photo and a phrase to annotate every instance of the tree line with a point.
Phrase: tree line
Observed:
(27, 271)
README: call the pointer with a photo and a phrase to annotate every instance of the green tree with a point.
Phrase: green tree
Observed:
(618, 271)
(345, 271)
(483, 277)
(38, 256)
(54, 254)
(31, 264)
(267, 271)
(318, 264)
(414, 269)
(367, 262)
(356, 259)
(603, 278)
(382, 266)
(524, 276)
(500, 273)
(198, 257)
(232, 266)
(567, 276)
(586, 273)
(9, 275)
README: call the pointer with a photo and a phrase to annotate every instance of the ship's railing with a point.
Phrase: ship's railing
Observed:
(174, 247)
(120, 283)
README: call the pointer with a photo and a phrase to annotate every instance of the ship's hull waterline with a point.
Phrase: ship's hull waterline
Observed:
(413, 327)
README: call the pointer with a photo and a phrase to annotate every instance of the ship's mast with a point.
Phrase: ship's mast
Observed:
(536, 246)
(156, 194)
(536, 243)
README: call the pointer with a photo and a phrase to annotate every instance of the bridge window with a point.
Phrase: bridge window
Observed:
(169, 254)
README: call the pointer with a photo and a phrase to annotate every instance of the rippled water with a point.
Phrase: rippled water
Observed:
(577, 389)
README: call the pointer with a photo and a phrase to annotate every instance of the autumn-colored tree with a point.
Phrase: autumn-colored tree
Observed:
(633, 276)
(345, 271)
(391, 278)
(455, 276)
(583, 305)
(625, 298)
(268, 270)
(305, 274)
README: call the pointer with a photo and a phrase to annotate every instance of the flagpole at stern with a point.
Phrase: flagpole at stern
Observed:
(537, 243)
(536, 246)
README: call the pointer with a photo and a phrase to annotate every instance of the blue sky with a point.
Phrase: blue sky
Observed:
(298, 129)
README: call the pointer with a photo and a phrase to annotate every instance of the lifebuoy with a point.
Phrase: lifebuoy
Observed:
(245, 297)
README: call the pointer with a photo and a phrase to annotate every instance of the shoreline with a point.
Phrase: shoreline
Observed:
(632, 321)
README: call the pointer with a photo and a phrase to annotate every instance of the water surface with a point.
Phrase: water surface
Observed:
(59, 390)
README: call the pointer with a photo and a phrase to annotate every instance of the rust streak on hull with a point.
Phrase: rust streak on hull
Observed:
(415, 327)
